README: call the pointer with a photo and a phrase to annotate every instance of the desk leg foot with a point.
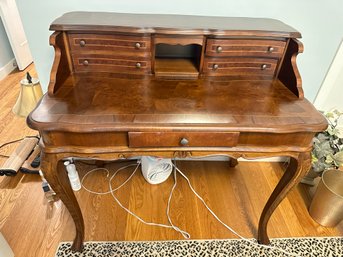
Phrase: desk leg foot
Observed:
(233, 162)
(56, 175)
(296, 170)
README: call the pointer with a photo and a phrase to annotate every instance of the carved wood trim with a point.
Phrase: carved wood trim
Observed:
(289, 74)
(60, 69)
(113, 156)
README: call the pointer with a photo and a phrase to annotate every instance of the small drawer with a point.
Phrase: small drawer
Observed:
(114, 64)
(183, 139)
(101, 42)
(245, 47)
(239, 66)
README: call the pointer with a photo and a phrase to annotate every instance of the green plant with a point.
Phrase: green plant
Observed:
(327, 150)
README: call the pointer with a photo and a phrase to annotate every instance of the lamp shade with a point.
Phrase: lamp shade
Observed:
(30, 94)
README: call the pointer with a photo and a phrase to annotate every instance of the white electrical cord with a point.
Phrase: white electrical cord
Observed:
(112, 190)
(184, 233)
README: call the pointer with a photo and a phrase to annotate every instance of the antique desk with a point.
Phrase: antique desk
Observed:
(125, 85)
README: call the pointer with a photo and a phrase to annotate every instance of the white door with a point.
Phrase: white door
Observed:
(15, 32)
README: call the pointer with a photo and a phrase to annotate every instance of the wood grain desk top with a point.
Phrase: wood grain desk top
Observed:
(117, 104)
(170, 24)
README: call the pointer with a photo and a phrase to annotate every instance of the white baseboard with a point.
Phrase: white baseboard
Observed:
(7, 69)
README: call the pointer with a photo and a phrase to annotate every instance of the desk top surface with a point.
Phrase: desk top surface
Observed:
(93, 103)
(167, 23)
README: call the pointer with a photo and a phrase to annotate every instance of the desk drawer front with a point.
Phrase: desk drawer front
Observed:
(245, 47)
(111, 64)
(183, 139)
(239, 66)
(99, 42)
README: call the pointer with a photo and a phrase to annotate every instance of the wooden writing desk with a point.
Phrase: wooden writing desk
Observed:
(126, 85)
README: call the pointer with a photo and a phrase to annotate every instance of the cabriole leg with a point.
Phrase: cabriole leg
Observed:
(56, 175)
(296, 170)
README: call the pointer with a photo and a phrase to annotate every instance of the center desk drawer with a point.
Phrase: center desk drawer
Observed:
(183, 139)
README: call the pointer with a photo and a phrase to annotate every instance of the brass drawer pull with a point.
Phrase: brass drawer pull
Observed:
(215, 66)
(138, 65)
(85, 62)
(219, 49)
(82, 43)
(263, 66)
(271, 49)
(184, 141)
(138, 45)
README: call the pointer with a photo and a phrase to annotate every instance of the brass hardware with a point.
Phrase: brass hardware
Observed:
(85, 62)
(219, 49)
(263, 66)
(138, 45)
(215, 66)
(82, 43)
(271, 49)
(138, 65)
(184, 141)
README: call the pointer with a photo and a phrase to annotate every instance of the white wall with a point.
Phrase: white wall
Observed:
(6, 54)
(330, 95)
(320, 23)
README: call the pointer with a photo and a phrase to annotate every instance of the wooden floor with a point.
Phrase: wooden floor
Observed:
(33, 227)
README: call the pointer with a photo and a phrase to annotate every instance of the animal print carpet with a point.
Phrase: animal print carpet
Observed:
(316, 247)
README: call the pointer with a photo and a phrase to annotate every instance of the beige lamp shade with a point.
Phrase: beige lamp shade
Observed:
(30, 94)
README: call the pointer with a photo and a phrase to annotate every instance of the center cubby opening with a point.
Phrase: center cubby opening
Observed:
(177, 61)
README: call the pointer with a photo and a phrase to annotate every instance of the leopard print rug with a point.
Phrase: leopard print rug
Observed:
(316, 247)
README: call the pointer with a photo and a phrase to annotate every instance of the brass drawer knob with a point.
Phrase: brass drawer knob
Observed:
(85, 62)
(219, 49)
(215, 66)
(271, 49)
(184, 141)
(138, 65)
(82, 43)
(263, 66)
(138, 45)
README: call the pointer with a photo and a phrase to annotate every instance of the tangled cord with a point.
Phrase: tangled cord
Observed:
(171, 225)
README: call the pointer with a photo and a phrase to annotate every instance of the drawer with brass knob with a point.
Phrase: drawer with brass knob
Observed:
(239, 66)
(115, 64)
(245, 47)
(129, 45)
(183, 139)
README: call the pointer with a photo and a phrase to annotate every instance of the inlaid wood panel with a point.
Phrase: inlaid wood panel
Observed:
(136, 45)
(114, 64)
(245, 47)
(244, 67)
